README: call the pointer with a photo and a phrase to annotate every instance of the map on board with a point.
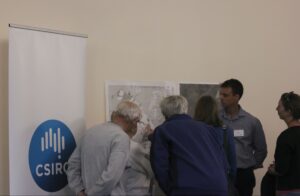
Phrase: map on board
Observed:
(192, 92)
(148, 95)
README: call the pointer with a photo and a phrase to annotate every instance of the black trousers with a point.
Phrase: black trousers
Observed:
(245, 181)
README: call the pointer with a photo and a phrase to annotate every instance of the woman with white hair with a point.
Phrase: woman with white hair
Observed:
(186, 156)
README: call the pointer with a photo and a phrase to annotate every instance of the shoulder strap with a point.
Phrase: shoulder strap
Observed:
(225, 141)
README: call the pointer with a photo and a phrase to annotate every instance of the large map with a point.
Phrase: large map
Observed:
(148, 96)
(192, 92)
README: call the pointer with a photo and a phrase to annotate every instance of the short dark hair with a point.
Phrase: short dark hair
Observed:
(291, 102)
(235, 85)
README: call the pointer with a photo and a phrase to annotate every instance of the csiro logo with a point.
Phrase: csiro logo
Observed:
(50, 148)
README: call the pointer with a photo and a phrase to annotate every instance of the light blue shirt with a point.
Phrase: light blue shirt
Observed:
(250, 142)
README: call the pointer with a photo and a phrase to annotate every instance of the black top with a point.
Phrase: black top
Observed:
(287, 159)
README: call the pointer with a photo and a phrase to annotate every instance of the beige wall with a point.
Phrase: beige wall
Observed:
(255, 41)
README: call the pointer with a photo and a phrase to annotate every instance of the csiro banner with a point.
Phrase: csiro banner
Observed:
(46, 107)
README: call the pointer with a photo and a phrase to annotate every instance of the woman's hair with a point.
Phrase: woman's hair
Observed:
(207, 111)
(291, 102)
(172, 105)
(129, 110)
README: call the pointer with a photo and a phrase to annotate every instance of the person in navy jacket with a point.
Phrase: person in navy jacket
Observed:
(186, 156)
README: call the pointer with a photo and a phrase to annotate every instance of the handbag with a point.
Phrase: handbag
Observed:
(268, 185)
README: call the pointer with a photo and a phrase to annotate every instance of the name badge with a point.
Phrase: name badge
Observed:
(238, 133)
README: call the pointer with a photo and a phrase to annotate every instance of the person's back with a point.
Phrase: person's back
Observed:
(287, 152)
(283, 175)
(287, 156)
(187, 158)
(103, 138)
(98, 162)
(206, 111)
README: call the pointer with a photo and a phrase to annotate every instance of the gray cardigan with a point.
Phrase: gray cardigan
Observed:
(98, 162)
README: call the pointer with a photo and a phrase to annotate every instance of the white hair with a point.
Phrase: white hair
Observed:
(128, 110)
(174, 104)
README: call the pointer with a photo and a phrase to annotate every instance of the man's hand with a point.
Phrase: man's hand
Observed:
(271, 169)
(81, 193)
(148, 130)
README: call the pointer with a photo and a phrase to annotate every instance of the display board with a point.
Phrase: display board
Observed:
(46, 107)
(148, 95)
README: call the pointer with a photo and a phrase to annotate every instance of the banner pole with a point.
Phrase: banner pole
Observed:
(47, 30)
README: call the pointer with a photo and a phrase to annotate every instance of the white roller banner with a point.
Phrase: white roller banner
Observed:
(46, 108)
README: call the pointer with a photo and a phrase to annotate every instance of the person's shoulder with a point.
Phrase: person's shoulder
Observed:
(249, 116)
(174, 122)
(190, 122)
(165, 127)
(290, 132)
(99, 126)
(285, 137)
(95, 129)
(218, 130)
(107, 128)
(206, 127)
(119, 132)
(200, 123)
(163, 124)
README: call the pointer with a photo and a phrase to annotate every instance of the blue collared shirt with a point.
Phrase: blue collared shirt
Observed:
(250, 142)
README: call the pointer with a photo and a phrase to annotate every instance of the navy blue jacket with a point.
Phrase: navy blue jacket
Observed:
(187, 158)
(229, 149)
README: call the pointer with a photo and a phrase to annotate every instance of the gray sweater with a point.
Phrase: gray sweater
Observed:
(250, 142)
(99, 160)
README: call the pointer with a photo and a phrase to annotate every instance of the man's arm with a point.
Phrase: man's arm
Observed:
(74, 172)
(115, 167)
(260, 145)
(144, 130)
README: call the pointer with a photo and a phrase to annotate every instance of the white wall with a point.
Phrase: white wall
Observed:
(255, 41)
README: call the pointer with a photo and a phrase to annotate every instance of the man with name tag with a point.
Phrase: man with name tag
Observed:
(250, 142)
